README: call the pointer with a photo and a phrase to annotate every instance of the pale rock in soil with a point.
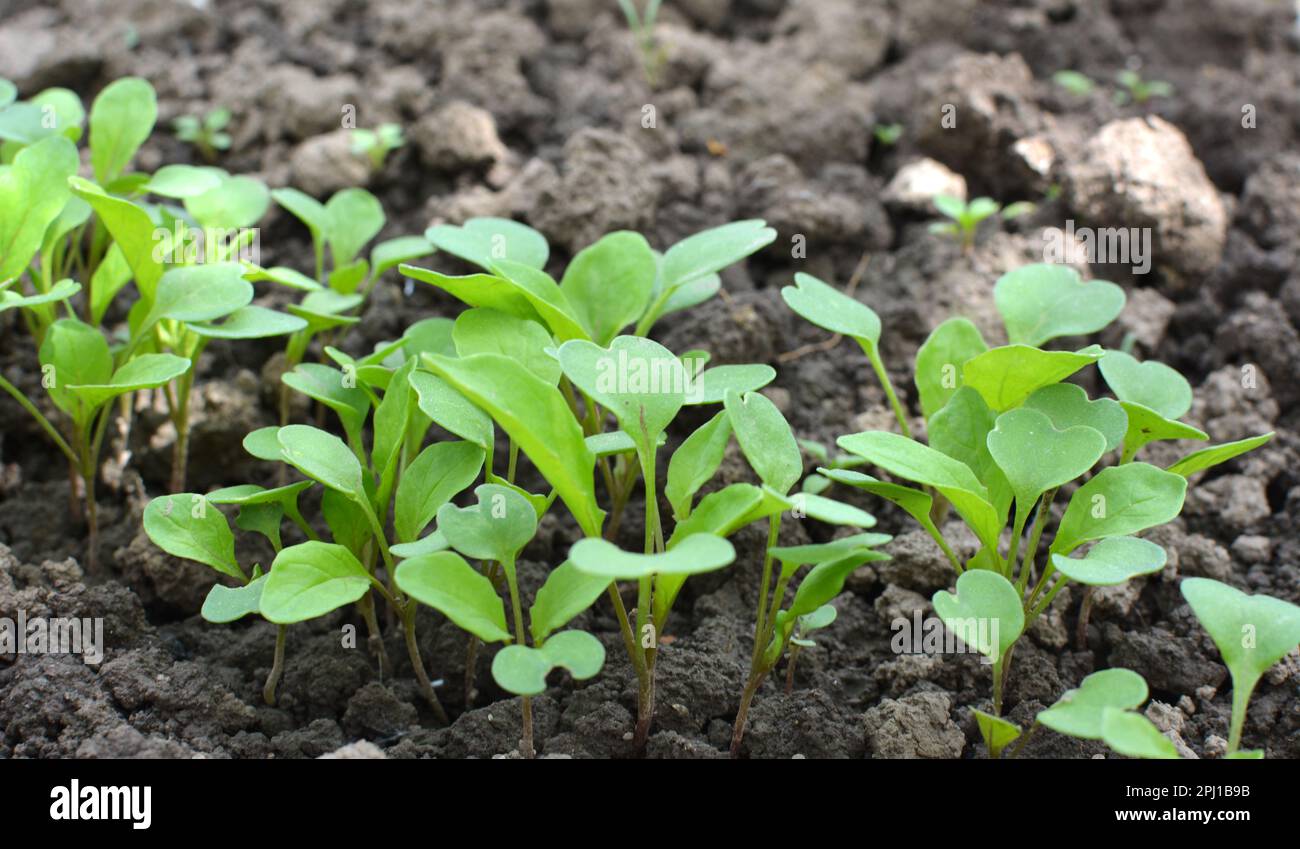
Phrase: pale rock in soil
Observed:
(604, 186)
(1050, 629)
(914, 186)
(459, 137)
(1193, 555)
(1171, 722)
(35, 55)
(1235, 502)
(1115, 602)
(915, 726)
(837, 207)
(323, 164)
(1146, 315)
(298, 104)
(1252, 549)
(898, 603)
(1141, 172)
(360, 750)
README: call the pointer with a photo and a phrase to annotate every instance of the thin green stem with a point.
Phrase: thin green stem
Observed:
(773, 535)
(1240, 701)
(45, 424)
(1035, 536)
(277, 666)
(879, 367)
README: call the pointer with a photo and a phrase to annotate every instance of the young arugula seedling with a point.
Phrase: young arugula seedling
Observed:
(820, 618)
(1134, 88)
(965, 218)
(642, 26)
(1076, 83)
(1006, 433)
(888, 134)
(207, 134)
(1253, 632)
(376, 144)
(1104, 707)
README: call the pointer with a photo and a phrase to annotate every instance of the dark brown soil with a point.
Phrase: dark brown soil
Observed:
(766, 108)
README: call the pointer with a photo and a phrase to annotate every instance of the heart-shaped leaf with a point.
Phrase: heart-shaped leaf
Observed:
(483, 241)
(1080, 712)
(610, 283)
(230, 604)
(712, 385)
(1153, 385)
(430, 481)
(1113, 560)
(488, 331)
(567, 592)
(1008, 375)
(445, 582)
(185, 525)
(1067, 405)
(431, 544)
(522, 670)
(354, 217)
(693, 555)
(1253, 632)
(496, 528)
(638, 380)
(537, 418)
(961, 431)
(766, 439)
(1036, 457)
(940, 360)
(236, 203)
(1043, 301)
(121, 119)
(323, 457)
(1199, 461)
(310, 580)
(985, 613)
(695, 462)
(1119, 501)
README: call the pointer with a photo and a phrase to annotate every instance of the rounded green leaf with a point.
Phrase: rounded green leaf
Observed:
(310, 580)
(577, 651)
(695, 554)
(182, 181)
(251, 322)
(263, 443)
(185, 525)
(483, 241)
(1112, 561)
(567, 592)
(393, 252)
(521, 670)
(711, 251)
(199, 293)
(353, 217)
(1134, 736)
(940, 359)
(331, 387)
(766, 439)
(229, 604)
(73, 354)
(1119, 501)
(1080, 712)
(638, 380)
(489, 331)
(322, 456)
(712, 385)
(237, 202)
(610, 283)
(1253, 632)
(1067, 405)
(1043, 301)
(985, 613)
(121, 119)
(147, 371)
(496, 528)
(60, 291)
(1008, 375)
(33, 191)
(1153, 385)
(831, 309)
(1036, 457)
(445, 582)
(832, 512)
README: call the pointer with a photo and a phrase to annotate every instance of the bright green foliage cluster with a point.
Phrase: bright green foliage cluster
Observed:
(1007, 432)
(376, 144)
(965, 218)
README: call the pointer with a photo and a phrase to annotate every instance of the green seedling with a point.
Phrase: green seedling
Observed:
(207, 134)
(964, 218)
(821, 456)
(888, 134)
(642, 26)
(376, 144)
(1076, 83)
(1253, 632)
(1105, 708)
(808, 623)
(1137, 90)
(1007, 432)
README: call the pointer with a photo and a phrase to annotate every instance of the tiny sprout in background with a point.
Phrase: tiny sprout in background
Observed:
(207, 134)
(965, 218)
(888, 134)
(376, 144)
(1074, 82)
(1138, 90)
(815, 621)
(642, 25)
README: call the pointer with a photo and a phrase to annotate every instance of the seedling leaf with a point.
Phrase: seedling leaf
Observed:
(310, 580)
(1111, 561)
(445, 582)
(693, 555)
(185, 525)
(1119, 501)
(985, 613)
(1045, 300)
